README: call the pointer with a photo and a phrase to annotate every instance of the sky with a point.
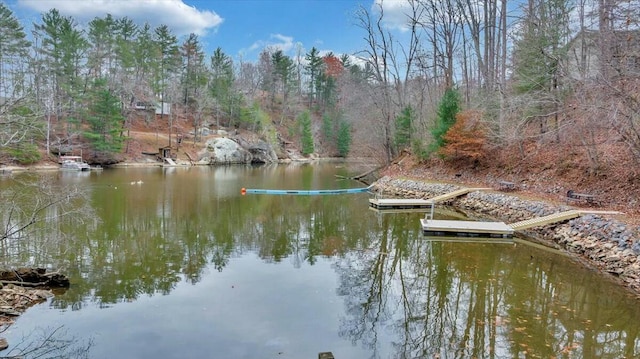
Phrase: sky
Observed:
(241, 28)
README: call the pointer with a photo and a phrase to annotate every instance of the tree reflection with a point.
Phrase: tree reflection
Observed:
(454, 300)
(402, 294)
(50, 343)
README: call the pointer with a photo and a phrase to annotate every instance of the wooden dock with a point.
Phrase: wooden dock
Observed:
(448, 228)
(443, 228)
(416, 204)
(383, 204)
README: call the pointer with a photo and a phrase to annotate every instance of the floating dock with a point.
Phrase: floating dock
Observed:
(416, 204)
(384, 204)
(443, 228)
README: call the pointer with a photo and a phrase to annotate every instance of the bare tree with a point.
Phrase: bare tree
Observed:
(442, 23)
(391, 65)
(28, 203)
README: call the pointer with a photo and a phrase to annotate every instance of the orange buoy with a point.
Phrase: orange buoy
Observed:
(243, 191)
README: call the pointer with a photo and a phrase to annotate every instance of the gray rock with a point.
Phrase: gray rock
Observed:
(224, 150)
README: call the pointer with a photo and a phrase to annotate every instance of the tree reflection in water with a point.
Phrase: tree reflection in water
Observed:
(50, 343)
(463, 300)
(404, 296)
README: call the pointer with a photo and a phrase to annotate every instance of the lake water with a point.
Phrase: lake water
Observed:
(176, 263)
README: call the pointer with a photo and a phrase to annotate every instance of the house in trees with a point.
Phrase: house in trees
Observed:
(163, 108)
(614, 54)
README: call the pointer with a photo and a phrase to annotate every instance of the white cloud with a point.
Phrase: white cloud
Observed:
(276, 41)
(395, 13)
(180, 17)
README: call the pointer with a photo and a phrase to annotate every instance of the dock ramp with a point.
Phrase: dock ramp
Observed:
(454, 194)
(554, 218)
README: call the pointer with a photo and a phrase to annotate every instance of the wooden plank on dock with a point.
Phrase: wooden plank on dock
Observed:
(432, 227)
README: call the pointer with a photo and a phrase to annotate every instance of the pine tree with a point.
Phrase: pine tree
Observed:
(62, 52)
(19, 124)
(539, 52)
(167, 56)
(105, 120)
(313, 69)
(404, 123)
(13, 52)
(344, 138)
(306, 134)
(446, 117)
(221, 86)
(284, 73)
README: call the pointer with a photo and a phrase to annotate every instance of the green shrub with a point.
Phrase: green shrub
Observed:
(25, 154)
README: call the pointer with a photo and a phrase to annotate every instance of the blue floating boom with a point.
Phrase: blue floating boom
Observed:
(306, 192)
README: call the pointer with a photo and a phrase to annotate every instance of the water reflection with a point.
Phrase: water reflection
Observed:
(451, 300)
(179, 233)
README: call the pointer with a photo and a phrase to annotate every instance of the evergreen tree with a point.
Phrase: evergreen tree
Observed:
(101, 57)
(126, 32)
(221, 85)
(284, 73)
(105, 120)
(306, 134)
(327, 127)
(446, 117)
(193, 70)
(404, 123)
(539, 52)
(167, 56)
(145, 62)
(313, 69)
(14, 49)
(344, 138)
(62, 50)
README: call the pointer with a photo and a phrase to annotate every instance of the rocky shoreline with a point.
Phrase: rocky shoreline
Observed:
(601, 242)
(21, 289)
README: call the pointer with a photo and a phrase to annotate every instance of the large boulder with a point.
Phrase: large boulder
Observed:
(262, 152)
(224, 150)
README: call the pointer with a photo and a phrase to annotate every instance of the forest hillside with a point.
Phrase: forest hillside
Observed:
(548, 99)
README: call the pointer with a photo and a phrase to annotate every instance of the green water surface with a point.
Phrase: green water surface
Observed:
(177, 263)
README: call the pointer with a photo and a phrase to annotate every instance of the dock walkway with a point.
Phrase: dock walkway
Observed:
(554, 218)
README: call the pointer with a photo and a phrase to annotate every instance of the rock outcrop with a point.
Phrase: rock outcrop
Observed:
(225, 150)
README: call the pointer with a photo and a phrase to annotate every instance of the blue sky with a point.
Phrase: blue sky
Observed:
(239, 27)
